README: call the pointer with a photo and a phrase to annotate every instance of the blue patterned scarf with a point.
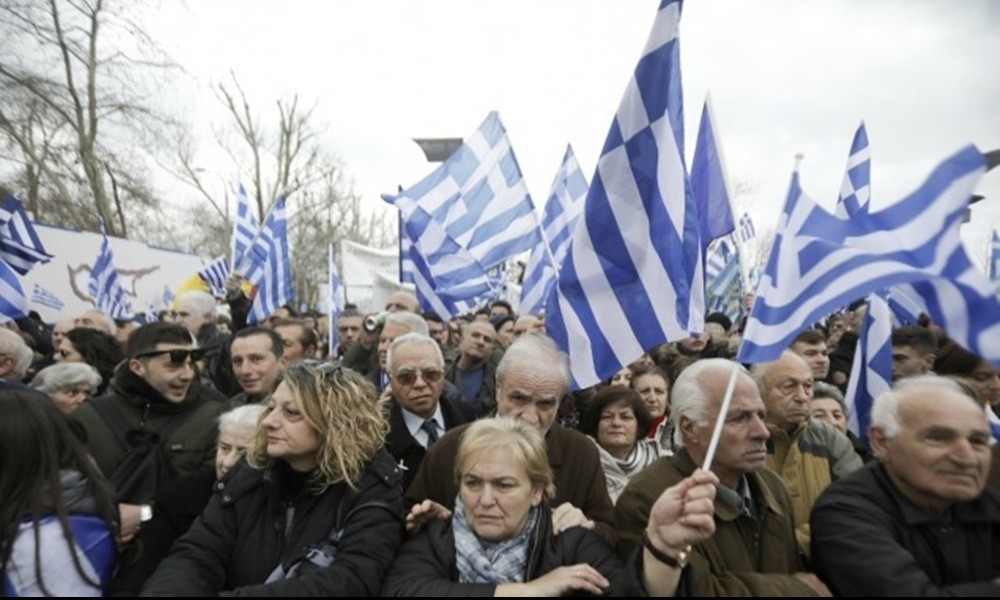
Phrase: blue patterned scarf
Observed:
(482, 561)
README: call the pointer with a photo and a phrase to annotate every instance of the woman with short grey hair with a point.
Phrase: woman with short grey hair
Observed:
(68, 384)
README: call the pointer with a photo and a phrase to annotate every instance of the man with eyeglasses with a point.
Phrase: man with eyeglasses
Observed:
(422, 408)
(155, 395)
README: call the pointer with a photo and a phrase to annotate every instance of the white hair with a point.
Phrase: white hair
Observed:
(535, 352)
(12, 344)
(110, 327)
(885, 410)
(245, 416)
(412, 321)
(55, 377)
(416, 339)
(201, 302)
(688, 397)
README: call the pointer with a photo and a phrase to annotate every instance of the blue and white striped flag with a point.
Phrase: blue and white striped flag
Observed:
(168, 297)
(820, 262)
(871, 373)
(856, 189)
(215, 274)
(245, 228)
(995, 257)
(40, 295)
(104, 286)
(746, 230)
(709, 182)
(20, 246)
(480, 198)
(905, 305)
(337, 301)
(633, 276)
(569, 189)
(273, 277)
(13, 302)
(723, 286)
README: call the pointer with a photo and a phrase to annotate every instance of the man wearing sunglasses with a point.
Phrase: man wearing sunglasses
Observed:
(422, 408)
(155, 397)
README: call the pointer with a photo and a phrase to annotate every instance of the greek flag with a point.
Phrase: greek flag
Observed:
(272, 274)
(215, 274)
(104, 286)
(337, 301)
(20, 246)
(723, 287)
(856, 189)
(569, 189)
(40, 295)
(13, 302)
(709, 182)
(995, 257)
(746, 230)
(480, 198)
(905, 305)
(871, 373)
(633, 275)
(245, 227)
(820, 262)
(168, 297)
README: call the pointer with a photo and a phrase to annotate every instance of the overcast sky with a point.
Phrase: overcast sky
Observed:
(785, 76)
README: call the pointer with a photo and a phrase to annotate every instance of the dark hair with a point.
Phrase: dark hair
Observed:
(505, 304)
(609, 395)
(809, 337)
(720, 319)
(37, 442)
(277, 346)
(432, 317)
(308, 337)
(920, 339)
(349, 312)
(99, 350)
(146, 337)
(953, 359)
(853, 306)
(650, 370)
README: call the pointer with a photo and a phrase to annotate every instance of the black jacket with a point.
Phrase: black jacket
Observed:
(486, 401)
(426, 564)
(255, 522)
(401, 444)
(218, 359)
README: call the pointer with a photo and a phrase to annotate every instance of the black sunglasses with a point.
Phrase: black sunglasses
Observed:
(178, 356)
(410, 377)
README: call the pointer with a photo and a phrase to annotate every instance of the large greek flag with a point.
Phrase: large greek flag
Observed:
(871, 373)
(856, 188)
(273, 276)
(709, 183)
(632, 278)
(820, 262)
(569, 189)
(20, 246)
(104, 286)
(245, 227)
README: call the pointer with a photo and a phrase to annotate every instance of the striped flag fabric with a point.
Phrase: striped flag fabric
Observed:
(104, 286)
(633, 275)
(856, 189)
(563, 207)
(994, 268)
(746, 230)
(723, 286)
(480, 198)
(272, 275)
(709, 182)
(245, 228)
(336, 300)
(820, 262)
(20, 246)
(871, 373)
(42, 296)
(215, 274)
(13, 302)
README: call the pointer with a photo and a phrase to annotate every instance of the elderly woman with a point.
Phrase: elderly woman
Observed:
(315, 510)
(95, 348)
(57, 516)
(499, 541)
(617, 421)
(69, 384)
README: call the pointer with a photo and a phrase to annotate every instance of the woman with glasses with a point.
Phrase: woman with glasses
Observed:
(315, 510)
(499, 541)
(93, 347)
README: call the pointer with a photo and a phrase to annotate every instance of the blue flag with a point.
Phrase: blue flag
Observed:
(273, 277)
(20, 246)
(856, 189)
(709, 183)
(871, 373)
(104, 285)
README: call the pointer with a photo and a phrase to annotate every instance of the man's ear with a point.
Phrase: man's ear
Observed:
(135, 365)
(877, 440)
(686, 426)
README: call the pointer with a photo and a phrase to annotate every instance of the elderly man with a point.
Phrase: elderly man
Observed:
(807, 453)
(297, 339)
(473, 372)
(195, 311)
(95, 319)
(396, 324)
(15, 359)
(531, 380)
(920, 521)
(256, 357)
(422, 409)
(753, 551)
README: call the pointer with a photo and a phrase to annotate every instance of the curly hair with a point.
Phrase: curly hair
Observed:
(343, 408)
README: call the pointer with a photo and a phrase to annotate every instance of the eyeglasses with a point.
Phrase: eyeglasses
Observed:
(325, 368)
(410, 377)
(178, 356)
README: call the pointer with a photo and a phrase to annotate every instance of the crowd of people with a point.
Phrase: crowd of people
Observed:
(424, 456)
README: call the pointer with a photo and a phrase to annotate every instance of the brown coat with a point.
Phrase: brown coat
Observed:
(745, 556)
(576, 470)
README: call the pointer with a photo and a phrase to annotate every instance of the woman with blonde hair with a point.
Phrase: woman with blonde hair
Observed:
(316, 509)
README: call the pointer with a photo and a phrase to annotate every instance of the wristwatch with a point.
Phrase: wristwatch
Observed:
(677, 562)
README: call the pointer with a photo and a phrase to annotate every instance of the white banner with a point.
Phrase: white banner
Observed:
(366, 273)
